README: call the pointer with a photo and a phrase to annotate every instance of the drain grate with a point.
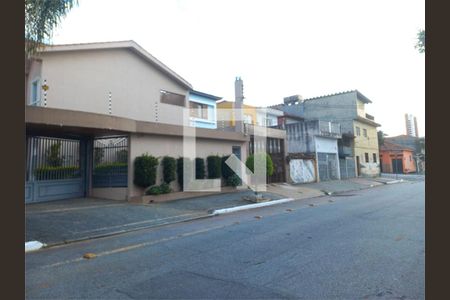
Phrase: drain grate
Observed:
(342, 195)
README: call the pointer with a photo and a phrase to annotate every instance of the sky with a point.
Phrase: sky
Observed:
(279, 48)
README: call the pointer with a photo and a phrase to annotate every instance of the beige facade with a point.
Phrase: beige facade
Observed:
(160, 146)
(83, 79)
(366, 142)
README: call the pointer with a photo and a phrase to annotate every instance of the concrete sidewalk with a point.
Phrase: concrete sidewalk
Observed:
(316, 189)
(71, 220)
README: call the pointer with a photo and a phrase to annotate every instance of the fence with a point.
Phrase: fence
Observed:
(52, 159)
(110, 162)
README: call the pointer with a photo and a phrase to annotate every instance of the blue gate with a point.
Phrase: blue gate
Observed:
(54, 169)
(110, 168)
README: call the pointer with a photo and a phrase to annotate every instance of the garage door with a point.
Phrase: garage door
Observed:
(53, 169)
(327, 165)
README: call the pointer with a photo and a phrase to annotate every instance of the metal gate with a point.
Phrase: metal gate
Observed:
(347, 167)
(110, 163)
(327, 163)
(397, 166)
(54, 169)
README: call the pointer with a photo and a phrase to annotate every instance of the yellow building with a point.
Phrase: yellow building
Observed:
(250, 116)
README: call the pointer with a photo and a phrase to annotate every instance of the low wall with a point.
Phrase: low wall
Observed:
(160, 146)
(111, 193)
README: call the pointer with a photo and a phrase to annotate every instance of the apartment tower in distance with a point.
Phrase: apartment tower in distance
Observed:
(411, 125)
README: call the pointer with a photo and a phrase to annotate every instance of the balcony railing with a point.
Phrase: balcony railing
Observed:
(330, 129)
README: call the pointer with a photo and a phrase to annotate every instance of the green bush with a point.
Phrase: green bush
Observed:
(145, 170)
(259, 158)
(227, 172)
(116, 167)
(214, 164)
(49, 172)
(234, 180)
(169, 166)
(54, 158)
(165, 188)
(180, 175)
(199, 168)
(153, 190)
(158, 189)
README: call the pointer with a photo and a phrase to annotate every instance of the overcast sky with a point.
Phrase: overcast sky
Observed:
(279, 48)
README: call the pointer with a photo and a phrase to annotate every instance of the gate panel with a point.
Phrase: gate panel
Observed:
(110, 162)
(53, 169)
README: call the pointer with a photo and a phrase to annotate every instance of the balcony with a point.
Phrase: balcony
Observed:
(330, 129)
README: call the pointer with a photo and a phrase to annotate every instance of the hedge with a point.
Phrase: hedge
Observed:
(214, 163)
(180, 174)
(226, 170)
(145, 170)
(169, 166)
(107, 168)
(48, 172)
(259, 157)
(199, 168)
(158, 189)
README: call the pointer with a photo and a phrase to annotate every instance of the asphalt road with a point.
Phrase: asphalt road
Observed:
(364, 245)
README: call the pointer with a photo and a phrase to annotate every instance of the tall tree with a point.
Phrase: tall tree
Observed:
(420, 45)
(41, 17)
(381, 136)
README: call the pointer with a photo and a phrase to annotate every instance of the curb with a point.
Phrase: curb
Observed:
(222, 211)
(103, 235)
(33, 246)
(394, 181)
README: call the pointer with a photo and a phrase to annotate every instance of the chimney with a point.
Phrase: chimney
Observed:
(238, 104)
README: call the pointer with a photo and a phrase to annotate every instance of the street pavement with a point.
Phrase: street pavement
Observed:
(365, 244)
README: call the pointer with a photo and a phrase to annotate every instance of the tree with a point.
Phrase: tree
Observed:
(420, 45)
(41, 17)
(381, 136)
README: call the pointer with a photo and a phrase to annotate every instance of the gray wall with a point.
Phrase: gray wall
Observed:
(337, 108)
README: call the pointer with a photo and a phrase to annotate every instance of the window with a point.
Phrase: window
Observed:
(358, 131)
(34, 97)
(374, 157)
(365, 132)
(247, 119)
(198, 110)
(172, 98)
(366, 156)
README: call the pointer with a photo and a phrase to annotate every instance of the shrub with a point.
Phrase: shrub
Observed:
(169, 166)
(234, 180)
(214, 166)
(165, 188)
(54, 158)
(116, 167)
(199, 168)
(258, 158)
(153, 190)
(49, 172)
(180, 175)
(145, 170)
(226, 170)
(158, 189)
